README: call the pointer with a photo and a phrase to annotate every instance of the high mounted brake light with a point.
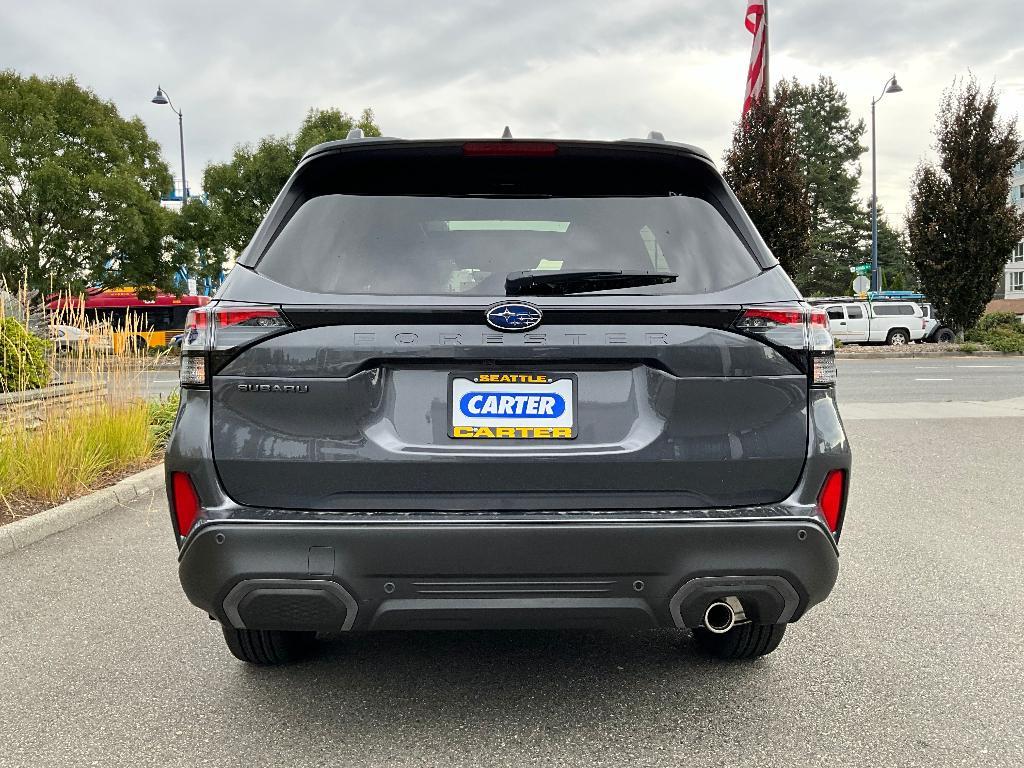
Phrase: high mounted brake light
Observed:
(799, 328)
(220, 329)
(509, 149)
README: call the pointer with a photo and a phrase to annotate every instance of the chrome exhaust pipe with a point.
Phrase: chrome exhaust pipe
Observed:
(723, 615)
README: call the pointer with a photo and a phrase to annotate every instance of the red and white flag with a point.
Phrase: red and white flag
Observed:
(757, 74)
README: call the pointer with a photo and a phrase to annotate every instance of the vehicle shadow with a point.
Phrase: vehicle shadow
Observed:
(525, 682)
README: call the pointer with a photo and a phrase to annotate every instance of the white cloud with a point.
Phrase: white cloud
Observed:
(572, 68)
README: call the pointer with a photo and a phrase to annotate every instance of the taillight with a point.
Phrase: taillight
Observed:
(831, 498)
(764, 318)
(795, 327)
(186, 502)
(220, 329)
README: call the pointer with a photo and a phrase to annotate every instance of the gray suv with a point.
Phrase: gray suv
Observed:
(506, 384)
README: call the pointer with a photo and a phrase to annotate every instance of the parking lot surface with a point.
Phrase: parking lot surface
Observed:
(916, 660)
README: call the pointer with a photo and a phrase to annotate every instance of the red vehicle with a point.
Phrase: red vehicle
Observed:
(135, 322)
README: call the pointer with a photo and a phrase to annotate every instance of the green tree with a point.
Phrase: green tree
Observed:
(763, 169)
(79, 189)
(895, 266)
(198, 241)
(829, 148)
(241, 191)
(961, 224)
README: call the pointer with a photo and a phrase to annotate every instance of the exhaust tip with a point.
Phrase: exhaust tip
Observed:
(719, 617)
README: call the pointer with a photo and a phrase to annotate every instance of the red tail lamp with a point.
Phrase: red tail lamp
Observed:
(186, 501)
(830, 500)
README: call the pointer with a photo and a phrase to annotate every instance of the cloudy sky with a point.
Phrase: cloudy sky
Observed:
(570, 68)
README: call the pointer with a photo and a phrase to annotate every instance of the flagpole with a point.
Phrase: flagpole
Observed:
(767, 54)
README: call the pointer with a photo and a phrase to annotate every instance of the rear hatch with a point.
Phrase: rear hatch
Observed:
(507, 325)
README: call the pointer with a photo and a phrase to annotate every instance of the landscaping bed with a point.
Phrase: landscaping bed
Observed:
(69, 456)
(73, 417)
(15, 508)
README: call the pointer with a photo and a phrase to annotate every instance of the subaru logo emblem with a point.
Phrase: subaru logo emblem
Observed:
(513, 316)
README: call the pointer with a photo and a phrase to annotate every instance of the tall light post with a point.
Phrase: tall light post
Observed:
(891, 86)
(162, 98)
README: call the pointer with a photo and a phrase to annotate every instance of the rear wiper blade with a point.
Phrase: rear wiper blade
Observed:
(543, 282)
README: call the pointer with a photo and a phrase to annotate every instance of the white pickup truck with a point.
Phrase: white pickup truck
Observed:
(874, 322)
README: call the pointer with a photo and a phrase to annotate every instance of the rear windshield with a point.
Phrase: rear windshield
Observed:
(436, 245)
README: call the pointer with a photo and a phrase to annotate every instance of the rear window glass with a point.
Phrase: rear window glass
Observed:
(891, 310)
(435, 245)
(854, 313)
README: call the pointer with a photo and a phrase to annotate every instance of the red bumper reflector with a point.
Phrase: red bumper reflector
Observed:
(186, 501)
(830, 500)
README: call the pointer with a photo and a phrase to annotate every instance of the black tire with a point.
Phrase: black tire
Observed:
(945, 336)
(140, 344)
(744, 641)
(267, 647)
(898, 338)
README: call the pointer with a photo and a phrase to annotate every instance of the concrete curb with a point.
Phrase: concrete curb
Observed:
(31, 529)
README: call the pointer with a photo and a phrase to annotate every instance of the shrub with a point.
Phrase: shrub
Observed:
(1004, 340)
(994, 320)
(23, 363)
(1001, 331)
(968, 348)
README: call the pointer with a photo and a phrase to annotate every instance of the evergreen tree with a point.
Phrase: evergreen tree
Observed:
(961, 225)
(896, 268)
(763, 169)
(829, 148)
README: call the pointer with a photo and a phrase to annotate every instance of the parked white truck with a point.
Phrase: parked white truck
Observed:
(882, 321)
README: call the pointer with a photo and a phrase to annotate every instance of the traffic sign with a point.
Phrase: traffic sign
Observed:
(861, 284)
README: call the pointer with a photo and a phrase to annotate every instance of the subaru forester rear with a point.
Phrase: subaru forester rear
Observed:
(506, 384)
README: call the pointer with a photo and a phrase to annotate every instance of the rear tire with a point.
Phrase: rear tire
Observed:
(267, 647)
(744, 641)
(898, 338)
(945, 336)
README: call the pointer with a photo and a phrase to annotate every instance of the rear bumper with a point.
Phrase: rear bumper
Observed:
(355, 575)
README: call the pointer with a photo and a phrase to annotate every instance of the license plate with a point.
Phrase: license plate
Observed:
(512, 406)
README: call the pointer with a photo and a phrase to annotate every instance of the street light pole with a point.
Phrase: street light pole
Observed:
(162, 98)
(891, 86)
(181, 141)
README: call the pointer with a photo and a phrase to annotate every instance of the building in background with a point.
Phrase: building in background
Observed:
(1010, 293)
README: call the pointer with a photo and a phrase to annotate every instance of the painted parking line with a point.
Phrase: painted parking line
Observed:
(932, 379)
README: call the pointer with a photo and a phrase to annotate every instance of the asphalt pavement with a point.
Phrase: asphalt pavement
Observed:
(937, 379)
(915, 660)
